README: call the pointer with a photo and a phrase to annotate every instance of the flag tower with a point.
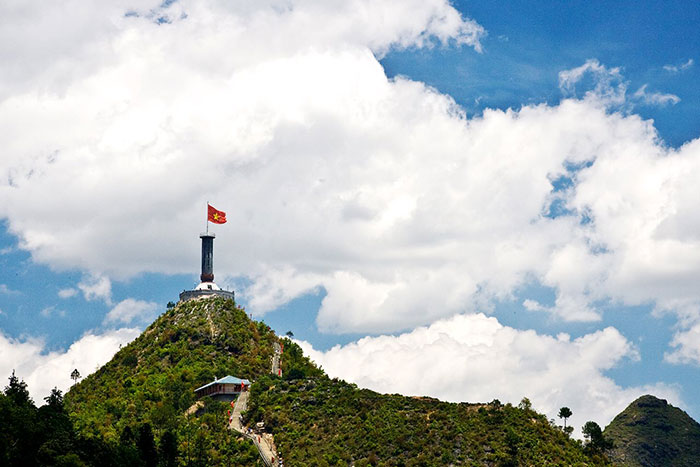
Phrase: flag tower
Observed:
(207, 287)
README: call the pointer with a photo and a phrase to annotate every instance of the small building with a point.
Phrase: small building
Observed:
(225, 388)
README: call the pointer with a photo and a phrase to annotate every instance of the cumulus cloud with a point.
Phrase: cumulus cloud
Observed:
(609, 84)
(70, 41)
(474, 358)
(95, 287)
(43, 369)
(130, 309)
(685, 346)
(380, 191)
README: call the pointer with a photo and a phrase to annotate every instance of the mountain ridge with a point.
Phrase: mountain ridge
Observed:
(652, 432)
(315, 420)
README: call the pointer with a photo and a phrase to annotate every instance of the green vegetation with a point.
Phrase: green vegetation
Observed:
(149, 384)
(31, 436)
(153, 378)
(651, 432)
(565, 413)
(46, 436)
(132, 411)
(322, 421)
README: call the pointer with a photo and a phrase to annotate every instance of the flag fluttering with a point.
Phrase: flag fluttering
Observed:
(215, 216)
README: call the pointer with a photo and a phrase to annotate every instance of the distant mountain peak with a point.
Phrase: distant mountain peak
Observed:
(648, 400)
(652, 432)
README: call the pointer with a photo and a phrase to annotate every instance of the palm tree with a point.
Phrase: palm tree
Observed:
(75, 376)
(565, 413)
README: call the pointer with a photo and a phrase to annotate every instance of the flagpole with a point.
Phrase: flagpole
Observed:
(207, 217)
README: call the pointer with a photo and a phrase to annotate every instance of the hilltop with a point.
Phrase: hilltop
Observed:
(315, 420)
(336, 423)
(140, 409)
(153, 377)
(651, 432)
(150, 383)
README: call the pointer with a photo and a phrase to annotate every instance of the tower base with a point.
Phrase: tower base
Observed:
(200, 293)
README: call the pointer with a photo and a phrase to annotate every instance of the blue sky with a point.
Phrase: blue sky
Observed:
(433, 177)
(529, 44)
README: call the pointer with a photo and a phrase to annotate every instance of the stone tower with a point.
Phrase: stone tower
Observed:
(207, 287)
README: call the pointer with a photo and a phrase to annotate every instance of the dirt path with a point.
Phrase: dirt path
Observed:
(194, 408)
(276, 360)
(264, 442)
(241, 405)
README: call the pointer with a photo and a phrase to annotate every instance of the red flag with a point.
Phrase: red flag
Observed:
(216, 216)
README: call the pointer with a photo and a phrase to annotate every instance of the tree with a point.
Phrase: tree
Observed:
(55, 399)
(57, 434)
(75, 376)
(128, 453)
(594, 438)
(19, 437)
(290, 334)
(525, 404)
(565, 413)
(512, 440)
(591, 431)
(147, 446)
(18, 392)
(168, 449)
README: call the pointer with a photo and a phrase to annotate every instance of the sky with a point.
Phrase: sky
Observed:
(466, 200)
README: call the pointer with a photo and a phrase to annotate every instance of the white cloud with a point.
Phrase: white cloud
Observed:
(130, 309)
(681, 67)
(382, 192)
(68, 41)
(655, 98)
(96, 287)
(4, 289)
(534, 305)
(67, 293)
(609, 85)
(43, 370)
(476, 359)
(686, 346)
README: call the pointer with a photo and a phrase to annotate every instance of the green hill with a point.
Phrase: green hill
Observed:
(651, 432)
(153, 378)
(335, 423)
(140, 397)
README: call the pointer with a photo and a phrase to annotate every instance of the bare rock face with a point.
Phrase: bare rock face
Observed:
(651, 432)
